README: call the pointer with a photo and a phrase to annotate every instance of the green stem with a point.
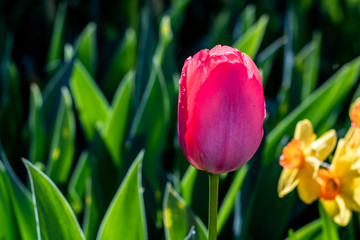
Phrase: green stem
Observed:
(213, 205)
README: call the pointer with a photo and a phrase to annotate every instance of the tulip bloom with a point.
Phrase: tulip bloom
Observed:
(221, 109)
(301, 159)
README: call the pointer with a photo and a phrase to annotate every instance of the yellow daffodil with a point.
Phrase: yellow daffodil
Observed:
(340, 185)
(301, 159)
(352, 137)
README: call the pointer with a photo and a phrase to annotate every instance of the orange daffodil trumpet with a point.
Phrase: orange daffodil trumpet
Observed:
(301, 159)
(336, 185)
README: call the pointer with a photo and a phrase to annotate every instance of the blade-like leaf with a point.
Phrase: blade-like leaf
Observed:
(55, 219)
(248, 17)
(86, 48)
(179, 220)
(123, 61)
(177, 8)
(91, 219)
(7, 222)
(77, 182)
(52, 93)
(266, 58)
(187, 184)
(250, 41)
(63, 142)
(21, 202)
(311, 66)
(36, 125)
(125, 216)
(309, 231)
(115, 126)
(90, 103)
(151, 122)
(55, 48)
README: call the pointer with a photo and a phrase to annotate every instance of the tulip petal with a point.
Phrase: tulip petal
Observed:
(190, 81)
(287, 181)
(324, 145)
(304, 132)
(225, 128)
(337, 210)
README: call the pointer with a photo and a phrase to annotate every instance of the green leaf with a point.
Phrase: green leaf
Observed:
(250, 41)
(227, 205)
(177, 8)
(219, 31)
(86, 48)
(7, 222)
(125, 216)
(187, 184)
(114, 130)
(316, 107)
(166, 35)
(78, 181)
(123, 60)
(55, 219)
(306, 65)
(52, 93)
(149, 127)
(21, 203)
(62, 150)
(309, 231)
(248, 17)
(266, 57)
(179, 220)
(36, 125)
(55, 48)
(151, 121)
(90, 103)
(329, 227)
(14, 89)
(91, 219)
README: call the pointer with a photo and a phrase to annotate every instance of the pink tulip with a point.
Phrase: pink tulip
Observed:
(221, 109)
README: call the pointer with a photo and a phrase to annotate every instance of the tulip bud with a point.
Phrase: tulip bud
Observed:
(221, 109)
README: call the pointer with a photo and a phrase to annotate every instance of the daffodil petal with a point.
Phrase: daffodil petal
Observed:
(356, 165)
(287, 182)
(343, 168)
(340, 151)
(324, 145)
(350, 133)
(356, 196)
(350, 192)
(352, 139)
(304, 132)
(337, 210)
(344, 215)
(308, 188)
(315, 164)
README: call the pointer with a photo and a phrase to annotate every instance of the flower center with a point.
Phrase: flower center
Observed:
(292, 155)
(329, 185)
(355, 115)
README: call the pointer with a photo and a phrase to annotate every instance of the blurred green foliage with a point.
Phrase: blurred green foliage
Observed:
(89, 96)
